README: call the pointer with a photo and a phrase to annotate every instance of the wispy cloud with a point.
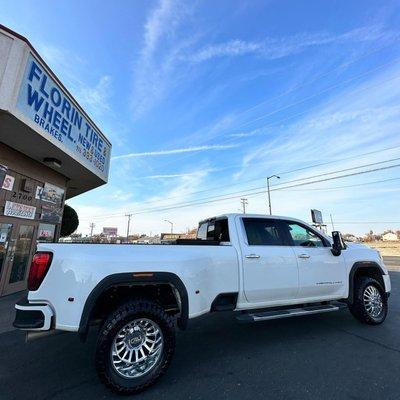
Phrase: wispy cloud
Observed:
(97, 98)
(177, 151)
(274, 48)
(70, 68)
(158, 57)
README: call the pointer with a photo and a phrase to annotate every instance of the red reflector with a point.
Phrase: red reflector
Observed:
(40, 265)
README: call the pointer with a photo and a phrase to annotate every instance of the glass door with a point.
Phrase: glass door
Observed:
(18, 257)
(5, 234)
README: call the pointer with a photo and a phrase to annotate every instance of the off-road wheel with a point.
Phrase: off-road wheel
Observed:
(135, 346)
(370, 301)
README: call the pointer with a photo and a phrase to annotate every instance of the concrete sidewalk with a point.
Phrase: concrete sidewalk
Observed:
(7, 311)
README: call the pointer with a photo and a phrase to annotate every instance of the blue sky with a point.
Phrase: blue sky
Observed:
(203, 99)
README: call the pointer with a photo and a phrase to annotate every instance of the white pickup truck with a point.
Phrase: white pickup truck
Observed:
(262, 267)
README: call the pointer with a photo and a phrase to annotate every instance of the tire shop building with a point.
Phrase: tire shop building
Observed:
(50, 151)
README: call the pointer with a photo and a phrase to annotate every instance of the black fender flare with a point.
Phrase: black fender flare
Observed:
(131, 279)
(356, 267)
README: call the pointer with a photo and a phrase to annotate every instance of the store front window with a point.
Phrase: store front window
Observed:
(46, 233)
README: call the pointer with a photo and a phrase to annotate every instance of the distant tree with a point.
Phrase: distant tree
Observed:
(70, 221)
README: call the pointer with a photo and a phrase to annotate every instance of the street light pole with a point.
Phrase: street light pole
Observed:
(172, 225)
(269, 192)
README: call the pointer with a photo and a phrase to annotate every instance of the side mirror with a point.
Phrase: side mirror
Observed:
(338, 243)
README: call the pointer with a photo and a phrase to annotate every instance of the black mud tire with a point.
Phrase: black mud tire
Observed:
(119, 318)
(358, 308)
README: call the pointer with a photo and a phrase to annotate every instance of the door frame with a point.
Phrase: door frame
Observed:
(5, 287)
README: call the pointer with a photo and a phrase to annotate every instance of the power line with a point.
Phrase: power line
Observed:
(283, 172)
(345, 186)
(225, 197)
(275, 187)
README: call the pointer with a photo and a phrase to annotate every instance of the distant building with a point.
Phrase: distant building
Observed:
(144, 239)
(389, 237)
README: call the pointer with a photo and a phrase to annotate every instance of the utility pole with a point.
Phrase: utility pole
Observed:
(92, 225)
(172, 225)
(269, 192)
(244, 204)
(129, 223)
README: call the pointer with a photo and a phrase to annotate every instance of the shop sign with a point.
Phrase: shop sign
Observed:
(18, 210)
(50, 214)
(43, 101)
(52, 194)
(8, 182)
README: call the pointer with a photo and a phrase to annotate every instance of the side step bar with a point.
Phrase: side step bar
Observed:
(287, 313)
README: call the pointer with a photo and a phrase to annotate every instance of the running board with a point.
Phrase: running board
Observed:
(287, 313)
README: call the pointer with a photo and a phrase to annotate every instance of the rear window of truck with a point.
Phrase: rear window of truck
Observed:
(216, 230)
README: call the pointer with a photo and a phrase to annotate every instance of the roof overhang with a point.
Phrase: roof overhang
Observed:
(41, 119)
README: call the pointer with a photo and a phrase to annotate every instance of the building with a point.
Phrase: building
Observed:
(389, 237)
(50, 151)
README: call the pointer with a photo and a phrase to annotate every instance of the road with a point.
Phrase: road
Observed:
(330, 356)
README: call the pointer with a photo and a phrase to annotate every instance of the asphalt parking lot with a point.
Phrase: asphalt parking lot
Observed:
(330, 356)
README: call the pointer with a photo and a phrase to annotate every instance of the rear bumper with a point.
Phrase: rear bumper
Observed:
(33, 317)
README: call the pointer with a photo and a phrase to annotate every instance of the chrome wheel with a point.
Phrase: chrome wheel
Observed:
(373, 301)
(137, 348)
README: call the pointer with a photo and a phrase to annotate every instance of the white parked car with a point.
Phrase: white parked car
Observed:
(262, 267)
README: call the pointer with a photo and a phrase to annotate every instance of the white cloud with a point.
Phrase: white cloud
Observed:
(273, 48)
(96, 98)
(70, 69)
(177, 151)
(159, 55)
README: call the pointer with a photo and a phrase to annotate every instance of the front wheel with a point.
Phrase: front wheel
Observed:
(135, 346)
(370, 301)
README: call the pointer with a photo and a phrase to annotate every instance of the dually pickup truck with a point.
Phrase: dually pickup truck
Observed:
(260, 267)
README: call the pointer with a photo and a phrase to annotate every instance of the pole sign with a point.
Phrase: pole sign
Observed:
(43, 101)
(316, 216)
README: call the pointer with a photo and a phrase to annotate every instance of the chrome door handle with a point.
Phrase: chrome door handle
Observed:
(252, 256)
(304, 256)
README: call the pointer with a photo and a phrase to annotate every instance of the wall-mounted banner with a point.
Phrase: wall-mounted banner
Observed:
(53, 215)
(52, 194)
(18, 210)
(44, 102)
(8, 183)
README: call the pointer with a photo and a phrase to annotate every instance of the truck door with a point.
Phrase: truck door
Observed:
(270, 268)
(321, 274)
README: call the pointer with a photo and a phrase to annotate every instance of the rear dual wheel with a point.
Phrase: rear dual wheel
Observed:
(135, 346)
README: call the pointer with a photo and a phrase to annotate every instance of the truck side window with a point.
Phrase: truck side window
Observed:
(263, 232)
(221, 230)
(303, 236)
(202, 231)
